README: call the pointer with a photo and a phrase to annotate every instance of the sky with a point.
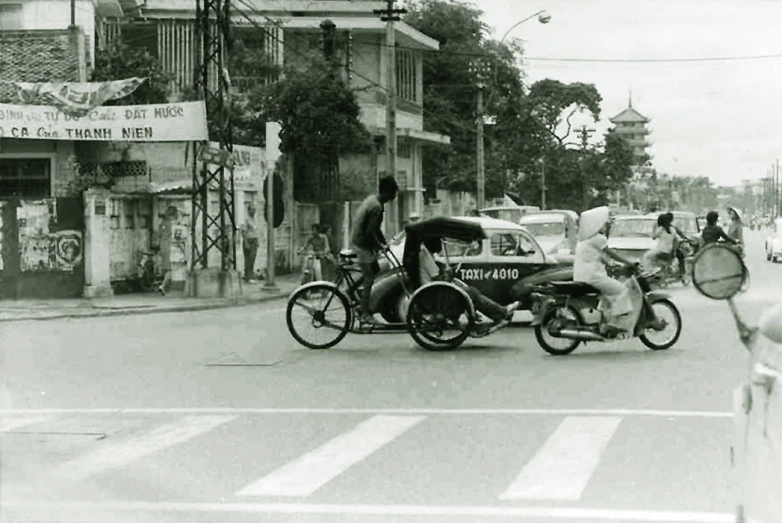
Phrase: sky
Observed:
(721, 119)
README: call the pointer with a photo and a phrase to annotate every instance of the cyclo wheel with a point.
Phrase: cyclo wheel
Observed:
(327, 295)
(437, 308)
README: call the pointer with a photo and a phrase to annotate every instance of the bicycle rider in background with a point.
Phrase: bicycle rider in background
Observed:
(318, 245)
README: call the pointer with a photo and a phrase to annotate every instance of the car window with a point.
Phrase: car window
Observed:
(460, 249)
(510, 244)
(545, 229)
(633, 228)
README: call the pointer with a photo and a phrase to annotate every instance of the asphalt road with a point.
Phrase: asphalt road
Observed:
(220, 416)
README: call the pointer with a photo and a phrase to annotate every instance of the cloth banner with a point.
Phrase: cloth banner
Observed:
(75, 99)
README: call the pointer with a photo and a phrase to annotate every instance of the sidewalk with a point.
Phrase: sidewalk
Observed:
(150, 303)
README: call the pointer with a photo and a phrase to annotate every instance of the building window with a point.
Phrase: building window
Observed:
(10, 17)
(141, 36)
(26, 178)
(406, 75)
(404, 150)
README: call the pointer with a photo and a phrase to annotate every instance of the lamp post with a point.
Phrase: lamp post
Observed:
(481, 69)
(542, 162)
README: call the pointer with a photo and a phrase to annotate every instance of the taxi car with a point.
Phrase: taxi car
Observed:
(504, 267)
(511, 214)
(774, 242)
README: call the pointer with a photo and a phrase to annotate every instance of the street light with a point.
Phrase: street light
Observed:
(480, 69)
(543, 17)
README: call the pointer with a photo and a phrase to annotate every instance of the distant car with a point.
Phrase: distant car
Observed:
(555, 231)
(631, 236)
(504, 267)
(687, 222)
(774, 242)
(511, 214)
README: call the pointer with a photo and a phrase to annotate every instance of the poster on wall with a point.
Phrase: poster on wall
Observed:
(67, 249)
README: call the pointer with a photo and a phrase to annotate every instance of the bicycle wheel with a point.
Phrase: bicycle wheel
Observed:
(439, 317)
(746, 282)
(324, 310)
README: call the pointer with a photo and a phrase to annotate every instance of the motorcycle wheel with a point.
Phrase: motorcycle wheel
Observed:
(674, 312)
(541, 330)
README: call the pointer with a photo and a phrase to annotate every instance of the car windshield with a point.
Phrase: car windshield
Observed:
(511, 215)
(545, 229)
(641, 228)
(688, 225)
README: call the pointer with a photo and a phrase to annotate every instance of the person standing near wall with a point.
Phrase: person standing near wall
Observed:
(165, 239)
(250, 243)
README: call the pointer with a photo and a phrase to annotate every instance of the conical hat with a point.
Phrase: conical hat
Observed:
(738, 213)
(592, 221)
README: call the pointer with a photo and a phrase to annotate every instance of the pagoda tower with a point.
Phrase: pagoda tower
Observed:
(632, 126)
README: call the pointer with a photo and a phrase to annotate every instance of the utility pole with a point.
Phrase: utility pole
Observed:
(390, 15)
(73, 13)
(584, 134)
(543, 184)
(481, 69)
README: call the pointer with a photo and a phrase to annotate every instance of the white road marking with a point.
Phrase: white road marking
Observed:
(8, 424)
(563, 466)
(114, 456)
(390, 411)
(569, 514)
(311, 471)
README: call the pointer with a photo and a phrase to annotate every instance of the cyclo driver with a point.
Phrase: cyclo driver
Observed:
(368, 240)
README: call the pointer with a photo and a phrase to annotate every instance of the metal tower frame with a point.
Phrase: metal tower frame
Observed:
(214, 169)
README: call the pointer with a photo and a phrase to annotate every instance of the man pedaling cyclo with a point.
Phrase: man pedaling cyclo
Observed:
(368, 240)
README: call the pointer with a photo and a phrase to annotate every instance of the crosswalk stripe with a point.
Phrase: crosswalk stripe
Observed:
(8, 424)
(119, 455)
(311, 471)
(563, 466)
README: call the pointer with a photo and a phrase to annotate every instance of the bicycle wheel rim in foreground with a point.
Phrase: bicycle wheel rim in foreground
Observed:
(428, 310)
(318, 316)
(666, 338)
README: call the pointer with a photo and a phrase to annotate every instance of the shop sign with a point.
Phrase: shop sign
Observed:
(247, 163)
(174, 122)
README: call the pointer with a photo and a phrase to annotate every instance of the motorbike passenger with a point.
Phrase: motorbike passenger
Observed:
(430, 271)
(736, 227)
(368, 240)
(713, 233)
(619, 312)
(666, 240)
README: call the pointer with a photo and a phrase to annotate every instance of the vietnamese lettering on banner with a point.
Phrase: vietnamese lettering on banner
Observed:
(248, 165)
(175, 122)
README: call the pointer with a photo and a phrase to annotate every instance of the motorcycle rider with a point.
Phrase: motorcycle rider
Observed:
(588, 267)
(712, 233)
(736, 227)
(666, 240)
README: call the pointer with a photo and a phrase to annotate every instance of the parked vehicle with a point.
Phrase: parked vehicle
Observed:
(511, 214)
(756, 463)
(439, 316)
(566, 314)
(555, 231)
(507, 264)
(773, 243)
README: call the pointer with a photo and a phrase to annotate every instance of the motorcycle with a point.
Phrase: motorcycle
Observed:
(670, 272)
(569, 312)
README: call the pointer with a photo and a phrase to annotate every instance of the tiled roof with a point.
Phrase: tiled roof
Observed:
(629, 115)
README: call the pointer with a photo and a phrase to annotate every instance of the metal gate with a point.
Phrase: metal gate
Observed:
(42, 248)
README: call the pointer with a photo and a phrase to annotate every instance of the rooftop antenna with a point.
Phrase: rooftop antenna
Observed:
(630, 100)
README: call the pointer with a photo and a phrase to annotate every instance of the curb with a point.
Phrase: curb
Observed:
(138, 311)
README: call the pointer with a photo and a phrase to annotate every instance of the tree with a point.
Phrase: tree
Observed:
(119, 61)
(548, 100)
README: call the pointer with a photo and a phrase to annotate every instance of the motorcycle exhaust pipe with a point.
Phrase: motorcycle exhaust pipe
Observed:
(578, 334)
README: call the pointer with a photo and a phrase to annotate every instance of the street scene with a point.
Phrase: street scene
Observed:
(390, 261)
(221, 415)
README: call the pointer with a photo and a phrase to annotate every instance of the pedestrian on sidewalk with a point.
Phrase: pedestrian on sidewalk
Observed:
(250, 243)
(165, 239)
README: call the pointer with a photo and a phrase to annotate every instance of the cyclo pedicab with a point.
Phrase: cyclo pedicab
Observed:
(439, 316)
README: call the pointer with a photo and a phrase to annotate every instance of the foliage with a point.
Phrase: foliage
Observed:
(525, 129)
(119, 61)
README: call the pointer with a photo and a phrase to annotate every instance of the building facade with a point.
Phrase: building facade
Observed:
(285, 32)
